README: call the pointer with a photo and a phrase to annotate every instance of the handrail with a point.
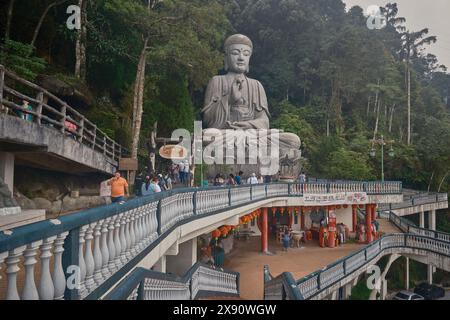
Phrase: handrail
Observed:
(108, 241)
(136, 282)
(437, 242)
(415, 200)
(56, 117)
(283, 287)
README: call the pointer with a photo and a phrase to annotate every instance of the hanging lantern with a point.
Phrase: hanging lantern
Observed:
(361, 206)
(345, 206)
(216, 234)
(338, 207)
(274, 210)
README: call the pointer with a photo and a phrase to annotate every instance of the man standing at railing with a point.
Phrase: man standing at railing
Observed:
(119, 188)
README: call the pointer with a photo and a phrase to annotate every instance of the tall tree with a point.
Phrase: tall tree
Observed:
(412, 44)
(80, 46)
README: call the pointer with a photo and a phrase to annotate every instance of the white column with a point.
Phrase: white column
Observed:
(59, 279)
(422, 219)
(430, 273)
(187, 256)
(432, 219)
(160, 266)
(407, 275)
(7, 169)
(347, 291)
(46, 287)
(383, 289)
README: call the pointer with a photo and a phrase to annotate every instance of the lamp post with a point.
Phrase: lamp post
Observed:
(373, 152)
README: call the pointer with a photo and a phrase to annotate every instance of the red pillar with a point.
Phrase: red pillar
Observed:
(368, 223)
(354, 217)
(374, 212)
(264, 232)
(302, 218)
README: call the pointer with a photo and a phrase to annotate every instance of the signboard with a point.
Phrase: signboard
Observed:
(128, 164)
(105, 190)
(336, 198)
(173, 152)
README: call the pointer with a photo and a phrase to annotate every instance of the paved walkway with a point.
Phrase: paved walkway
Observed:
(247, 260)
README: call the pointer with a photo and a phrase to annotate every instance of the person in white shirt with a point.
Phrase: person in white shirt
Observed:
(182, 174)
(186, 173)
(252, 179)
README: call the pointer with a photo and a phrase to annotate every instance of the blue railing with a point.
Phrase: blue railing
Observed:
(103, 244)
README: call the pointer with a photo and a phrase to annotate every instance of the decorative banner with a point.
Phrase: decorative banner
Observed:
(336, 198)
(173, 152)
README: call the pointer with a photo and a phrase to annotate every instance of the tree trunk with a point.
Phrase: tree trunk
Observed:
(391, 118)
(409, 104)
(9, 19)
(431, 180)
(80, 47)
(375, 131)
(368, 106)
(442, 181)
(138, 101)
(42, 18)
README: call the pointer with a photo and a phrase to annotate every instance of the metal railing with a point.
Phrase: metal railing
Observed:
(107, 242)
(50, 111)
(201, 280)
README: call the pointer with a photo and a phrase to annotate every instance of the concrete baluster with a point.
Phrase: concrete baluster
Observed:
(46, 288)
(59, 279)
(124, 239)
(132, 234)
(98, 277)
(118, 241)
(12, 269)
(81, 262)
(89, 259)
(29, 289)
(111, 245)
(104, 249)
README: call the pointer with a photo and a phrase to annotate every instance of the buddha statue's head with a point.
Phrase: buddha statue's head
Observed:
(238, 50)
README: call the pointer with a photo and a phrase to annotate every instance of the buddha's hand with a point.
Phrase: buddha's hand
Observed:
(238, 125)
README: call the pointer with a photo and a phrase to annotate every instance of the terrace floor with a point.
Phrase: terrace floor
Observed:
(246, 259)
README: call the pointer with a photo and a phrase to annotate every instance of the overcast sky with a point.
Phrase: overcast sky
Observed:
(419, 14)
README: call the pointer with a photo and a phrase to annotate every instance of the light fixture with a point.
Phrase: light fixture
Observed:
(373, 152)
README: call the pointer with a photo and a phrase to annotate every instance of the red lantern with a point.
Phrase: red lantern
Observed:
(338, 207)
(361, 206)
(345, 206)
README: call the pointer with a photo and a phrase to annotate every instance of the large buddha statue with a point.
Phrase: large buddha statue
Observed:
(234, 101)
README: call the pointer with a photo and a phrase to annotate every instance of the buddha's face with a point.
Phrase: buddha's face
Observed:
(238, 58)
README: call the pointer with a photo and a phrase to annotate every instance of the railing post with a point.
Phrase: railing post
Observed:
(365, 254)
(104, 145)
(344, 265)
(2, 82)
(70, 259)
(81, 131)
(365, 186)
(158, 216)
(40, 98)
(318, 280)
(94, 138)
(289, 189)
(194, 202)
(251, 192)
(63, 120)
(328, 187)
(141, 290)
(229, 196)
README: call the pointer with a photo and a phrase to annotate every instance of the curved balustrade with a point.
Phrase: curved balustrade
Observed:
(318, 281)
(416, 200)
(108, 241)
(144, 284)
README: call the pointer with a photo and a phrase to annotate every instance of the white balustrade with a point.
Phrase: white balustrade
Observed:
(30, 291)
(308, 287)
(104, 248)
(211, 200)
(81, 262)
(98, 277)
(89, 259)
(12, 268)
(59, 278)
(46, 288)
(240, 195)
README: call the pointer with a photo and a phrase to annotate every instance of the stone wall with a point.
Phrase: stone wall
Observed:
(41, 189)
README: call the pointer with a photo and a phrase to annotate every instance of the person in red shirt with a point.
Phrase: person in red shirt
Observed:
(119, 188)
